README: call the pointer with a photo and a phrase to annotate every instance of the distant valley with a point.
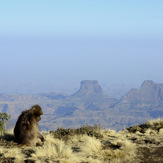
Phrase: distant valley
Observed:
(89, 105)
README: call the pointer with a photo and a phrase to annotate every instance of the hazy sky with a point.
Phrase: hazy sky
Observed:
(51, 45)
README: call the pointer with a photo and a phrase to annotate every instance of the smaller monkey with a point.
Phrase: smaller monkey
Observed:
(26, 131)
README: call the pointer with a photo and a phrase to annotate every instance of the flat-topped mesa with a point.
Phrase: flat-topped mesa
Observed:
(89, 87)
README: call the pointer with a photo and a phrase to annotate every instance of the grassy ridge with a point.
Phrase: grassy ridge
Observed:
(91, 144)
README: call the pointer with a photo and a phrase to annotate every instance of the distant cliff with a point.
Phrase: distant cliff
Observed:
(150, 93)
(89, 88)
(143, 103)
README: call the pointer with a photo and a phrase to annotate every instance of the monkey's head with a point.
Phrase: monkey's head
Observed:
(36, 111)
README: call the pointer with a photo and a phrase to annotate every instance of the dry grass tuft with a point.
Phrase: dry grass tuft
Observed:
(54, 149)
(154, 125)
(12, 153)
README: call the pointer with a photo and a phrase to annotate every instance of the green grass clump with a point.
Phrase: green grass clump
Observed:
(93, 131)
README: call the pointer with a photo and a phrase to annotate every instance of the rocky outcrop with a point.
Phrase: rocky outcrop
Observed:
(89, 88)
(150, 93)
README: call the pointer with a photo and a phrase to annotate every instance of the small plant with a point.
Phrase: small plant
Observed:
(4, 118)
(93, 131)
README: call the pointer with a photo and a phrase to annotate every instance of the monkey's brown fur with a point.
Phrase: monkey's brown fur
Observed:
(26, 130)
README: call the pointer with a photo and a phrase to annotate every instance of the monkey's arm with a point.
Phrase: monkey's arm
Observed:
(41, 137)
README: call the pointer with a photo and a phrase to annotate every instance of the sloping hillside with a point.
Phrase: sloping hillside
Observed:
(140, 143)
(90, 106)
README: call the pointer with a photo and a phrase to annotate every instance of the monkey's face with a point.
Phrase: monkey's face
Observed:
(36, 109)
(38, 118)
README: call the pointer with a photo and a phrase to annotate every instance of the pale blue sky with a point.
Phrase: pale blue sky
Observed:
(81, 17)
(51, 45)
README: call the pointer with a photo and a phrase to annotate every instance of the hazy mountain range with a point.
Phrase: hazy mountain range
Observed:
(89, 105)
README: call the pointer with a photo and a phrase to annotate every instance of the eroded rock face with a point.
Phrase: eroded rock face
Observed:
(89, 87)
(149, 93)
